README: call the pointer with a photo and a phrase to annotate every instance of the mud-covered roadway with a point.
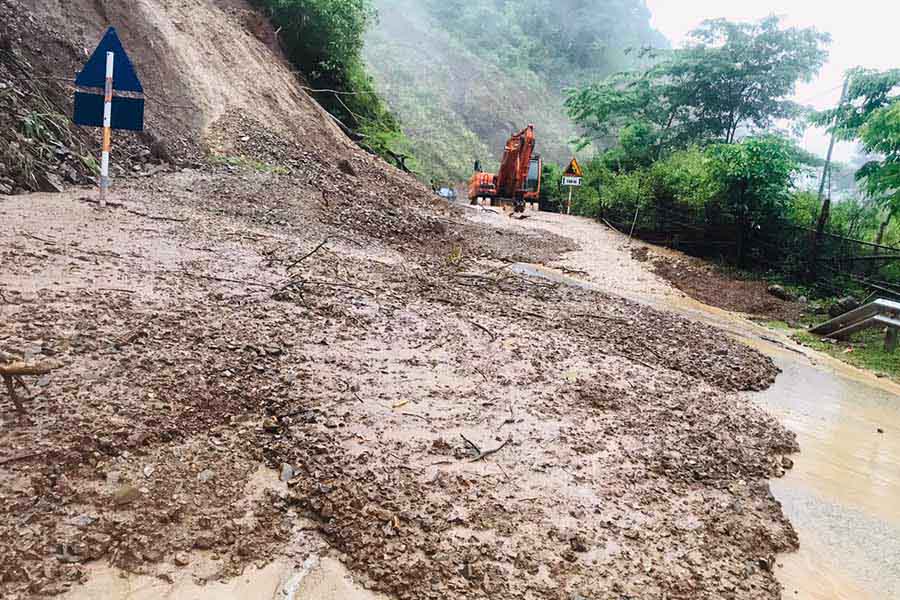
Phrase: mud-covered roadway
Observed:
(447, 427)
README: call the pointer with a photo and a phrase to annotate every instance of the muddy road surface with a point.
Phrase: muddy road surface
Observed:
(841, 495)
(263, 384)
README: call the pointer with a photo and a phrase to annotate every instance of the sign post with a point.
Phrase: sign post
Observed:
(109, 95)
(107, 127)
(572, 179)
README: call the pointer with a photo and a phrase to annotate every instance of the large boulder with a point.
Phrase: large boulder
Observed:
(779, 292)
(845, 304)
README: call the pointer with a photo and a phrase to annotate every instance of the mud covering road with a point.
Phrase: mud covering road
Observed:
(442, 426)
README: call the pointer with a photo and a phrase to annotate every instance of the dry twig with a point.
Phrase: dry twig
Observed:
(484, 454)
(12, 373)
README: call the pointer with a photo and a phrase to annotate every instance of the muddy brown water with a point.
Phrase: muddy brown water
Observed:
(843, 495)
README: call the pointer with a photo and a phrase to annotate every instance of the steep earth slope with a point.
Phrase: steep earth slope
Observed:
(201, 63)
(445, 427)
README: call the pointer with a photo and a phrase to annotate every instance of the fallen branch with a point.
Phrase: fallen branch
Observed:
(484, 329)
(423, 417)
(610, 225)
(18, 457)
(108, 203)
(471, 443)
(227, 280)
(639, 361)
(19, 368)
(40, 239)
(308, 254)
(156, 218)
(483, 454)
(12, 374)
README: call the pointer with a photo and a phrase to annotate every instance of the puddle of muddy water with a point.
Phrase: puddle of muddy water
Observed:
(842, 496)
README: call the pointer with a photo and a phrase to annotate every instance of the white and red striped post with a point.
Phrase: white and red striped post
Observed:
(107, 128)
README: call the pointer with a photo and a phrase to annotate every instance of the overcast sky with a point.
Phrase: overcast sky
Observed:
(864, 33)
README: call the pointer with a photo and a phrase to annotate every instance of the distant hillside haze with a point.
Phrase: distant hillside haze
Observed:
(463, 75)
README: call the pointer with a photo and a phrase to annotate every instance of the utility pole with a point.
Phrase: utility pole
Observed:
(824, 201)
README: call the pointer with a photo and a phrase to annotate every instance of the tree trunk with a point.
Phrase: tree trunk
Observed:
(878, 240)
(825, 210)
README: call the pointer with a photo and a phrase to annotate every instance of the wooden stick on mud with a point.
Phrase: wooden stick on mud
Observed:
(423, 417)
(484, 454)
(484, 329)
(12, 374)
(157, 218)
(308, 254)
(40, 239)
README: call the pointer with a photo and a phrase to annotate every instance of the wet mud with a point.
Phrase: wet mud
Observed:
(841, 496)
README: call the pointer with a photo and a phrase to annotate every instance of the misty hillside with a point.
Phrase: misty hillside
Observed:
(462, 75)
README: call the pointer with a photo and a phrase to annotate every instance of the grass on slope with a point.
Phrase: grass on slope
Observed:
(864, 350)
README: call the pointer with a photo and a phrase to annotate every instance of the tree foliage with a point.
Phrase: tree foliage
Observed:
(730, 78)
(871, 115)
(562, 42)
(324, 40)
(881, 135)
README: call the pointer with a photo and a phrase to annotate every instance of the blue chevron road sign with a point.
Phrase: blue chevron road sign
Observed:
(128, 93)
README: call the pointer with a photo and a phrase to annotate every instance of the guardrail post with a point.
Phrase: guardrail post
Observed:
(890, 340)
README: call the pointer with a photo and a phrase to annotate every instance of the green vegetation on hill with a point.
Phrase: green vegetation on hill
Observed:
(462, 76)
(324, 40)
(698, 162)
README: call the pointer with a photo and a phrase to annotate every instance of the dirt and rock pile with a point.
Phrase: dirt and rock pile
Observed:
(712, 285)
(295, 309)
(200, 61)
(235, 319)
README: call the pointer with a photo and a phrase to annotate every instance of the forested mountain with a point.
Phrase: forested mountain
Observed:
(464, 74)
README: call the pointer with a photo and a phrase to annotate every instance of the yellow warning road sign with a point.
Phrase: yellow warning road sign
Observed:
(574, 169)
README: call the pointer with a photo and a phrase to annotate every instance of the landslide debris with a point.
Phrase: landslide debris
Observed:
(292, 306)
(352, 327)
(711, 285)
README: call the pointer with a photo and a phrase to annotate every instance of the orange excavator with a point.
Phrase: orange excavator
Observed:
(518, 182)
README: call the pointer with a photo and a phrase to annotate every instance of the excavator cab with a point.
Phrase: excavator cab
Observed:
(533, 181)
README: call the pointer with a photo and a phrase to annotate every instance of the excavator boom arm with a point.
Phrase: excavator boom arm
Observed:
(515, 163)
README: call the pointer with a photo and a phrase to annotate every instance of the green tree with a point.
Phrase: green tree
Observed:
(881, 135)
(551, 193)
(754, 181)
(730, 77)
(871, 115)
(869, 91)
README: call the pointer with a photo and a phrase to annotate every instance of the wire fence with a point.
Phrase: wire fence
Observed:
(763, 242)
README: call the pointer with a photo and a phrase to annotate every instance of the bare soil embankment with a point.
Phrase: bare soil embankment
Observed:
(711, 285)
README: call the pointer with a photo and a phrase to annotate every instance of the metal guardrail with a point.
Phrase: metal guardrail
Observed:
(880, 313)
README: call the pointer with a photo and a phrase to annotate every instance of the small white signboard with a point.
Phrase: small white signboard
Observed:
(572, 181)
